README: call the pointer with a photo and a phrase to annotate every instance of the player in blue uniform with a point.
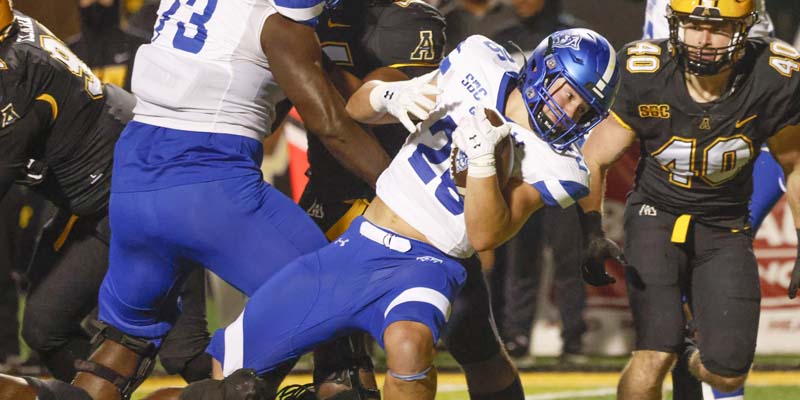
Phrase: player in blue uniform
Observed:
(395, 271)
(187, 188)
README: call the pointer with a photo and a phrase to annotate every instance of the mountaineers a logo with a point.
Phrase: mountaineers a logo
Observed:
(424, 50)
(571, 41)
(9, 115)
(705, 124)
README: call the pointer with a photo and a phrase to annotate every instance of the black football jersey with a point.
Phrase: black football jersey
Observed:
(50, 103)
(407, 35)
(697, 158)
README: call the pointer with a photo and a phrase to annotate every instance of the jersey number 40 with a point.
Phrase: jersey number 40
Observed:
(721, 160)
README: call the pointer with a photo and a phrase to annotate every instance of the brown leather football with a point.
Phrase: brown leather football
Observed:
(504, 164)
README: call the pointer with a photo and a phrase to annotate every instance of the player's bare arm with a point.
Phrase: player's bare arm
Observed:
(604, 146)
(607, 143)
(520, 201)
(296, 62)
(785, 147)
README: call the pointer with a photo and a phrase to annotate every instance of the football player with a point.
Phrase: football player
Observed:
(188, 189)
(395, 271)
(701, 103)
(768, 180)
(768, 187)
(59, 125)
(391, 41)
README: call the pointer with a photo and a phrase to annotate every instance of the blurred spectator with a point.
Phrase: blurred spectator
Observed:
(102, 44)
(786, 18)
(475, 17)
(533, 21)
(143, 19)
(520, 262)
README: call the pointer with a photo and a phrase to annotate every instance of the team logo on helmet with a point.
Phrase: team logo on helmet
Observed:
(584, 60)
(570, 41)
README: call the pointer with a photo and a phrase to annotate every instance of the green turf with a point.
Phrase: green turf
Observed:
(753, 393)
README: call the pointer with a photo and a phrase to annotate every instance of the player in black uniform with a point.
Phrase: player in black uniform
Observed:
(390, 41)
(58, 128)
(103, 45)
(701, 104)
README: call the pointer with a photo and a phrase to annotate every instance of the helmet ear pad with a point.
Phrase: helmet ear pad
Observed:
(587, 62)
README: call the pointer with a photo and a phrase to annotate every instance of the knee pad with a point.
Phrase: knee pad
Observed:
(728, 363)
(145, 350)
(411, 377)
(56, 390)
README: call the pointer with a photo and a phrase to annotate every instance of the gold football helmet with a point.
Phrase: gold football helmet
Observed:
(740, 13)
(6, 14)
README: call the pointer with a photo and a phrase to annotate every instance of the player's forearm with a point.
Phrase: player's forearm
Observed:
(296, 62)
(359, 107)
(361, 110)
(351, 145)
(597, 185)
(486, 213)
(358, 151)
(325, 116)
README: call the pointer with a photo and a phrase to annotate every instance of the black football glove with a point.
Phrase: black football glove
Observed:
(795, 281)
(243, 384)
(596, 250)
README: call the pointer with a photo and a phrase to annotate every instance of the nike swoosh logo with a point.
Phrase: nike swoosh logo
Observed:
(740, 123)
(332, 24)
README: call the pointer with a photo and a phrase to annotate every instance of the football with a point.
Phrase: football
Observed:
(504, 164)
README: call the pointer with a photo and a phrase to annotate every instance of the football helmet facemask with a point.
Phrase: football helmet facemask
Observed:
(587, 61)
(741, 16)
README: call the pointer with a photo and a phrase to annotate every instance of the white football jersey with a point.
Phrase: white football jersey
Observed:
(656, 26)
(417, 185)
(205, 70)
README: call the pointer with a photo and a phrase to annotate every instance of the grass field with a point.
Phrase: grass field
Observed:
(765, 385)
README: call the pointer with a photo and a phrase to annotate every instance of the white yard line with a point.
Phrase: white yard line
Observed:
(576, 394)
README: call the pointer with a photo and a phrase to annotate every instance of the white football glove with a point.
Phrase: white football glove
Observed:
(477, 137)
(403, 97)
